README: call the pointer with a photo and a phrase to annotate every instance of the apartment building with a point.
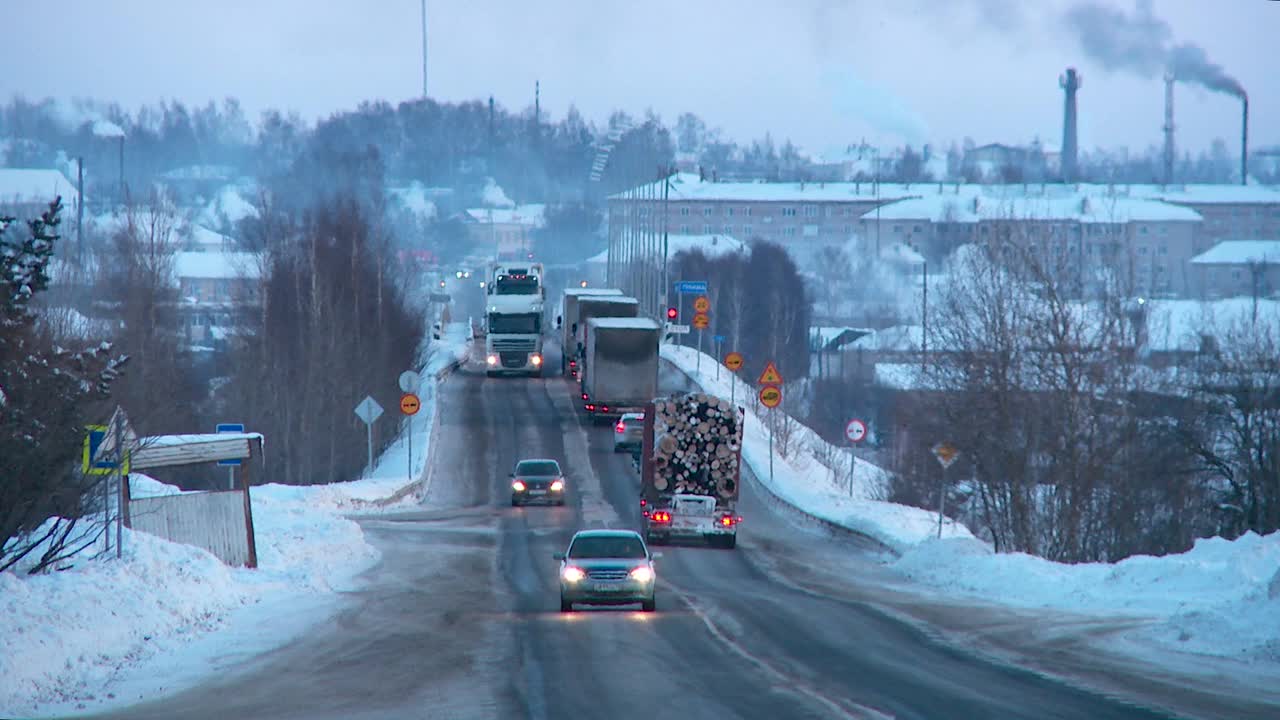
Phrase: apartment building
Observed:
(1238, 268)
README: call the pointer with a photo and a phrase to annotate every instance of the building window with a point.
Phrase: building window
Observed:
(706, 229)
(706, 212)
(848, 229)
(897, 228)
(1142, 250)
(915, 228)
(746, 230)
(788, 212)
(811, 211)
(1235, 274)
(684, 229)
(728, 229)
(830, 211)
(1164, 250)
(684, 211)
(728, 212)
(791, 232)
(746, 211)
(1164, 229)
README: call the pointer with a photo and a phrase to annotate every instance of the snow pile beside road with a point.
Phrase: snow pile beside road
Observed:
(803, 481)
(65, 636)
(1221, 597)
(68, 638)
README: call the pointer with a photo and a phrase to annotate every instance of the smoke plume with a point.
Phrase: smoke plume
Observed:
(1141, 43)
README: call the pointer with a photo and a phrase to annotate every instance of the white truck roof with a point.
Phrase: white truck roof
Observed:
(609, 323)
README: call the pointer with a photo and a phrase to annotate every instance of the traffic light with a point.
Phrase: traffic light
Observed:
(672, 314)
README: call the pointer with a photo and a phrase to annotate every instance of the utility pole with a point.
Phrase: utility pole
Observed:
(424, 49)
(80, 207)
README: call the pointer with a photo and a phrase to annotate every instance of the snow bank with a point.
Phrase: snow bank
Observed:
(1220, 598)
(67, 639)
(802, 481)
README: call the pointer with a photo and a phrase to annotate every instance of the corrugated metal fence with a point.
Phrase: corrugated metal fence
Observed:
(216, 521)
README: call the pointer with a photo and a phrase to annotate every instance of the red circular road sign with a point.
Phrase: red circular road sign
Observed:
(733, 361)
(410, 404)
(702, 304)
(855, 431)
(701, 321)
(770, 396)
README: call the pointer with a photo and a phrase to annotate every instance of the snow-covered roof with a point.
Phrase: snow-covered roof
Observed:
(228, 204)
(623, 323)
(609, 299)
(1177, 325)
(1084, 208)
(532, 215)
(823, 337)
(585, 292)
(902, 253)
(599, 258)
(897, 338)
(1240, 252)
(712, 246)
(35, 185)
(216, 265)
(687, 187)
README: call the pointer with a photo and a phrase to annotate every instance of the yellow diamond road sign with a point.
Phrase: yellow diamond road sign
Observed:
(770, 376)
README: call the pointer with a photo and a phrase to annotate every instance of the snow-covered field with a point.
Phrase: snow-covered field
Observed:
(108, 631)
(1221, 598)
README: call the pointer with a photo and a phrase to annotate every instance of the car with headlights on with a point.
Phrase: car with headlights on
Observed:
(537, 480)
(607, 567)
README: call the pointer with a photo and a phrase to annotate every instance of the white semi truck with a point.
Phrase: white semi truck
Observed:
(514, 308)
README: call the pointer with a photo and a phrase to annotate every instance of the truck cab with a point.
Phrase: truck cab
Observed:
(514, 309)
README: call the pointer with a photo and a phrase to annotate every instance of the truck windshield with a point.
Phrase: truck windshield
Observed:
(586, 548)
(516, 285)
(515, 324)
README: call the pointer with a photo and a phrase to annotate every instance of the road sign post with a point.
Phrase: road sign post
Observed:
(222, 428)
(733, 361)
(719, 341)
(368, 411)
(409, 405)
(771, 397)
(855, 431)
(701, 320)
(946, 454)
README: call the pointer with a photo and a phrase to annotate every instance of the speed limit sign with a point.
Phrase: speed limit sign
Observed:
(855, 431)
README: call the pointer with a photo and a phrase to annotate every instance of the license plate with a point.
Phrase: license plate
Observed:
(537, 492)
(607, 587)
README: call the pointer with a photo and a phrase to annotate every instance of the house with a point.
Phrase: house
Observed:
(825, 345)
(1238, 268)
(507, 232)
(27, 192)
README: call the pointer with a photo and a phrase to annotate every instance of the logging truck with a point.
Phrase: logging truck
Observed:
(567, 323)
(690, 469)
(620, 365)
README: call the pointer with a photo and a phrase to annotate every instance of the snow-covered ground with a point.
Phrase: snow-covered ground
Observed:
(1221, 598)
(107, 632)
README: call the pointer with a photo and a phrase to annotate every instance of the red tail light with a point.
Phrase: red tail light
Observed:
(584, 396)
(619, 427)
(646, 513)
(573, 363)
(604, 409)
(591, 408)
(643, 502)
(730, 520)
(661, 516)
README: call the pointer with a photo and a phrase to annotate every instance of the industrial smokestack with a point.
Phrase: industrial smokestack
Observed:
(1070, 83)
(1244, 141)
(1168, 128)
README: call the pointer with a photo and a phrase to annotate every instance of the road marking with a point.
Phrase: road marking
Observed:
(787, 682)
(596, 510)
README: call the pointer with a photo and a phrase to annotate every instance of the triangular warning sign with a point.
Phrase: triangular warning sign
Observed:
(770, 375)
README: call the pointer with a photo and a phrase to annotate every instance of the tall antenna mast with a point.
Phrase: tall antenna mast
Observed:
(424, 49)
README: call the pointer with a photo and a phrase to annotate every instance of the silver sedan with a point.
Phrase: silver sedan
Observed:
(607, 567)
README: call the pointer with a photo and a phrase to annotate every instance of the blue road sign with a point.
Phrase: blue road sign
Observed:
(719, 338)
(93, 440)
(229, 428)
(691, 286)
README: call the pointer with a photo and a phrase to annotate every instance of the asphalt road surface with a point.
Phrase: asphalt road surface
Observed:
(461, 620)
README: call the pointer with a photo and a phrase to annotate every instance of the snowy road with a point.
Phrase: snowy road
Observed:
(460, 619)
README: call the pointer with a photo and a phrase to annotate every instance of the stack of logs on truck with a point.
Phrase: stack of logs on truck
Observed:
(691, 460)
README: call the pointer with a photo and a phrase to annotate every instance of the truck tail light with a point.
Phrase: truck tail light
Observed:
(619, 427)
(661, 516)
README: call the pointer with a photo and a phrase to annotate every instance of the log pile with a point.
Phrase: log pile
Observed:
(697, 440)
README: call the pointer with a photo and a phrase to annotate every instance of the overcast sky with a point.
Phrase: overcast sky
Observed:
(822, 72)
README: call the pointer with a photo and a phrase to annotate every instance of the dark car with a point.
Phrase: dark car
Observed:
(537, 481)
